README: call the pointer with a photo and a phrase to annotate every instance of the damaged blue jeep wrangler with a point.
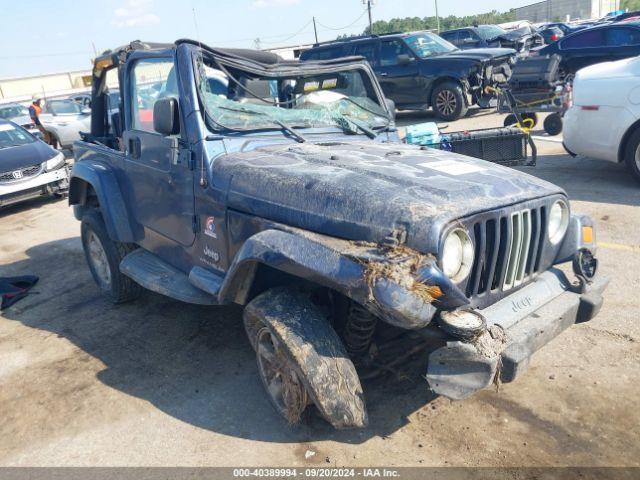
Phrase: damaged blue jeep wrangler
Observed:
(232, 176)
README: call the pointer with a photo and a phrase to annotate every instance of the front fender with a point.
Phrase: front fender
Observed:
(336, 264)
(298, 256)
(101, 177)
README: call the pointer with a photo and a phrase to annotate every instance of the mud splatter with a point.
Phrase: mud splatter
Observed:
(400, 265)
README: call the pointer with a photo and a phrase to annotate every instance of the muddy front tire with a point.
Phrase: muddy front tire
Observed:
(302, 361)
(104, 256)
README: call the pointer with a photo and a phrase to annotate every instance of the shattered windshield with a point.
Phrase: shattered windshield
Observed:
(428, 44)
(241, 101)
(488, 32)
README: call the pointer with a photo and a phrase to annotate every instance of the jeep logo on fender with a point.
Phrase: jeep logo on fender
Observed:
(521, 304)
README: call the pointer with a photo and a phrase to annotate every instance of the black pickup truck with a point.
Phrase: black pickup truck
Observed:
(422, 70)
(231, 176)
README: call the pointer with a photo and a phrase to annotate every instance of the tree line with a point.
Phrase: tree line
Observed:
(410, 24)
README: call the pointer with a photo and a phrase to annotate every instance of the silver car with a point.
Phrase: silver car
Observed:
(19, 114)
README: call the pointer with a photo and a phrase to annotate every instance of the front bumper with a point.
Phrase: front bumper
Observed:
(47, 182)
(530, 318)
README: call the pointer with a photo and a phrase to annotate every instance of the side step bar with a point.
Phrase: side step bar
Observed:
(156, 275)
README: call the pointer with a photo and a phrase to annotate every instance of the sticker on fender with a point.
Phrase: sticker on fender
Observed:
(452, 167)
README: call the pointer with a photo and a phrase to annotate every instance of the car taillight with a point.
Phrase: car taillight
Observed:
(590, 108)
(554, 38)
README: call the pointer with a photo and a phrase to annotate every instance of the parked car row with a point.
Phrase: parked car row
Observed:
(493, 36)
(421, 70)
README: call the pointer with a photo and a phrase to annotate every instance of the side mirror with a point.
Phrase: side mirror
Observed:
(85, 111)
(166, 116)
(404, 59)
(391, 106)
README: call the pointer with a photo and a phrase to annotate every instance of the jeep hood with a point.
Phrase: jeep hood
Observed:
(367, 190)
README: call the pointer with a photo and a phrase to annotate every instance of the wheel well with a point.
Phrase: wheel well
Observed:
(82, 193)
(267, 277)
(625, 138)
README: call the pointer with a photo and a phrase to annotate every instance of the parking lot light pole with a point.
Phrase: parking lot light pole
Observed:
(437, 17)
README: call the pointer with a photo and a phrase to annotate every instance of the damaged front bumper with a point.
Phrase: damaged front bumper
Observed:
(526, 321)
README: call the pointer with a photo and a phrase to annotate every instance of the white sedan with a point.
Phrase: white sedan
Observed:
(64, 120)
(603, 121)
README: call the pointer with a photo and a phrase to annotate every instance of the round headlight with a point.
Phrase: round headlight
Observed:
(457, 255)
(558, 221)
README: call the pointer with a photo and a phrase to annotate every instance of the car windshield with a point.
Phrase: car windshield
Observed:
(13, 136)
(63, 107)
(247, 102)
(428, 44)
(8, 112)
(487, 32)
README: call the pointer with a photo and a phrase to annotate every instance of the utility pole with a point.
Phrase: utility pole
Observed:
(369, 3)
(315, 29)
(437, 17)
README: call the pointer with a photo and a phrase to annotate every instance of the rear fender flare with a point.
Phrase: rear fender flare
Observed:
(103, 180)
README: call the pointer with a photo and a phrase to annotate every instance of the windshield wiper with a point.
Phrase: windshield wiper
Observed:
(287, 128)
(361, 126)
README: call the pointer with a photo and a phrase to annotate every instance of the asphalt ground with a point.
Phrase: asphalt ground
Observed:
(161, 383)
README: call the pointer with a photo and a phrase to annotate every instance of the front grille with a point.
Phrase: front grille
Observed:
(22, 173)
(508, 250)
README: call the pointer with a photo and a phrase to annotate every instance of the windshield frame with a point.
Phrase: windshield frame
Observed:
(286, 69)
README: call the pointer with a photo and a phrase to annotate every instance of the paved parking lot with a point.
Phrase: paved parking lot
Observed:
(157, 382)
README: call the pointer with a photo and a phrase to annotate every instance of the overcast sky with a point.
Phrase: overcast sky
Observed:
(42, 36)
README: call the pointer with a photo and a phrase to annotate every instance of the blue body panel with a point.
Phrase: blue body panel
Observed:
(216, 206)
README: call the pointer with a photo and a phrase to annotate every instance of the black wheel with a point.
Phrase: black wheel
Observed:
(632, 154)
(104, 256)
(448, 101)
(510, 120)
(553, 124)
(529, 120)
(280, 378)
(301, 360)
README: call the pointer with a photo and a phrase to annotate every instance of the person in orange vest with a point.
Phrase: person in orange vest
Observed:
(35, 110)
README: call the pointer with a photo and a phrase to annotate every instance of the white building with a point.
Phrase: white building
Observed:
(560, 10)
(50, 85)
